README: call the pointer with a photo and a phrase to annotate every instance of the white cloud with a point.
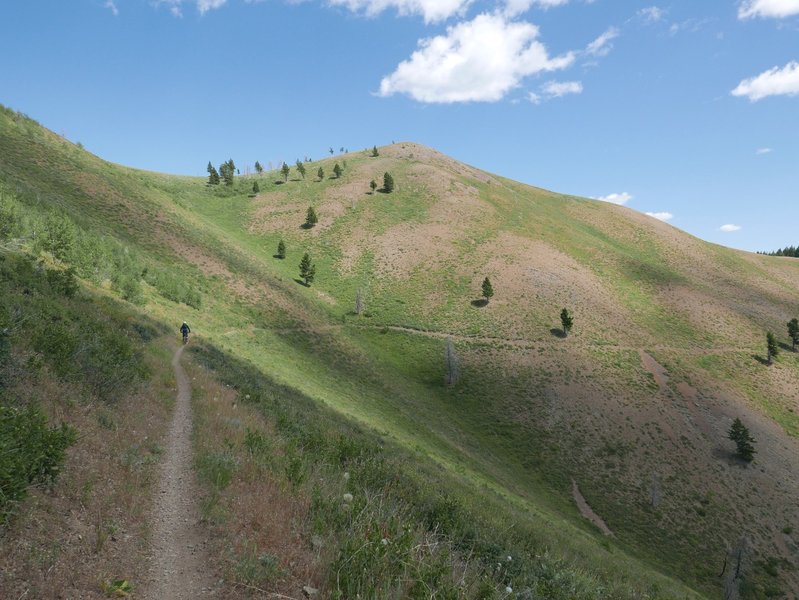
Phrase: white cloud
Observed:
(764, 151)
(602, 45)
(651, 14)
(729, 228)
(776, 9)
(431, 10)
(774, 82)
(660, 216)
(203, 6)
(475, 61)
(517, 7)
(622, 198)
(555, 89)
(111, 5)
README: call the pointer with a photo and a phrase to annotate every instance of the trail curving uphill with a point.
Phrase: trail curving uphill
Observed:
(179, 565)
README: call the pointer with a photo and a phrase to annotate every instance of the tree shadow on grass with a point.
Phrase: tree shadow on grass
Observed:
(761, 360)
(302, 283)
(479, 303)
(307, 226)
(278, 256)
(558, 333)
(279, 182)
(786, 347)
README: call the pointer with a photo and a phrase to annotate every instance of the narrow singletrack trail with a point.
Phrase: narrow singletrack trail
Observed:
(179, 564)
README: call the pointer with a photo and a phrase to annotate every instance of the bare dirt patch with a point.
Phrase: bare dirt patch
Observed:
(587, 511)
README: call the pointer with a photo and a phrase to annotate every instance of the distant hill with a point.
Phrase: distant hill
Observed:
(623, 421)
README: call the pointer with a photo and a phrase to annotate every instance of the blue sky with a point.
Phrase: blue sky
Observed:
(679, 107)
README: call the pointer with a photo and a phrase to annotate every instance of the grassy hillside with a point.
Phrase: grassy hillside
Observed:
(665, 352)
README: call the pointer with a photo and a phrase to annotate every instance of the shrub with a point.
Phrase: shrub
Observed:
(32, 453)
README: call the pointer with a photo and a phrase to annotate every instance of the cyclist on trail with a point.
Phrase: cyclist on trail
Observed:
(185, 330)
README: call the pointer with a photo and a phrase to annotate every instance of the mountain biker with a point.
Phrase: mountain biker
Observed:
(185, 330)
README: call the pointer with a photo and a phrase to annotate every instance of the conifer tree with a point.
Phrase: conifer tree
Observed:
(331, 150)
(488, 290)
(228, 170)
(337, 170)
(566, 321)
(258, 168)
(301, 168)
(281, 249)
(744, 442)
(213, 175)
(311, 218)
(255, 188)
(374, 151)
(320, 173)
(772, 349)
(793, 333)
(307, 270)
(373, 185)
(388, 183)
(285, 169)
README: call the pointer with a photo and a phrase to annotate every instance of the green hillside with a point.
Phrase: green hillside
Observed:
(632, 407)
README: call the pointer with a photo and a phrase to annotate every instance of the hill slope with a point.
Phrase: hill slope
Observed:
(635, 404)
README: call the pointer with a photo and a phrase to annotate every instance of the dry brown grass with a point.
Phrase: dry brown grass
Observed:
(91, 525)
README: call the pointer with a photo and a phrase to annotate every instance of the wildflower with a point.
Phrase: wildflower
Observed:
(247, 396)
(348, 497)
(509, 589)
(384, 541)
(346, 475)
(510, 558)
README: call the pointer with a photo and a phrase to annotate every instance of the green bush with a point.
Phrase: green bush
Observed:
(31, 452)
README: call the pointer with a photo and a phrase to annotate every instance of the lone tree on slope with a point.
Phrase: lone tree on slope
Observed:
(255, 187)
(301, 168)
(793, 333)
(566, 321)
(487, 289)
(374, 151)
(213, 175)
(320, 173)
(307, 270)
(744, 442)
(258, 168)
(311, 218)
(337, 170)
(281, 249)
(373, 185)
(772, 349)
(285, 170)
(388, 183)
(360, 303)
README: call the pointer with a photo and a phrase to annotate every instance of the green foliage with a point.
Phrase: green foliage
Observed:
(301, 168)
(320, 173)
(173, 287)
(388, 183)
(793, 332)
(373, 185)
(487, 289)
(58, 237)
(31, 452)
(217, 468)
(63, 281)
(374, 151)
(337, 170)
(281, 249)
(311, 218)
(228, 171)
(285, 169)
(307, 269)
(258, 168)
(566, 321)
(118, 588)
(772, 349)
(255, 188)
(213, 174)
(744, 442)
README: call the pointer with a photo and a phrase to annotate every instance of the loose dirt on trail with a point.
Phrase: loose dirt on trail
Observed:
(179, 564)
(587, 511)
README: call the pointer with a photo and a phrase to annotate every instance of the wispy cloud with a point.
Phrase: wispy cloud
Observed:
(774, 82)
(616, 198)
(203, 6)
(474, 61)
(775, 9)
(651, 14)
(555, 89)
(661, 216)
(111, 5)
(432, 11)
(764, 151)
(517, 7)
(602, 45)
(729, 228)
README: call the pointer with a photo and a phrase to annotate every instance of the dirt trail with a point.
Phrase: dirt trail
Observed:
(587, 511)
(179, 562)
